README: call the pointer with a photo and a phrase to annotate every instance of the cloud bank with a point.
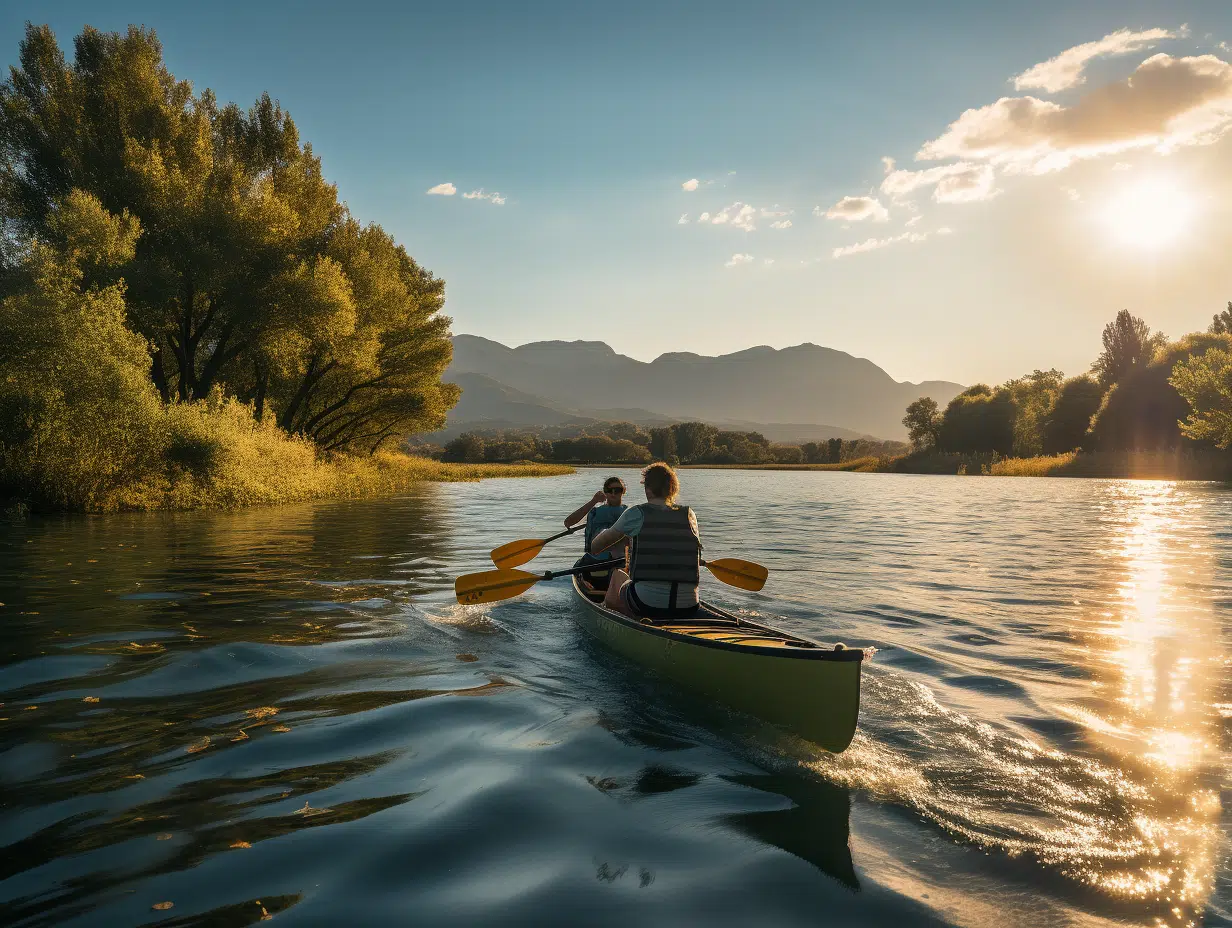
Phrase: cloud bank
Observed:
(1066, 69)
(442, 190)
(1165, 104)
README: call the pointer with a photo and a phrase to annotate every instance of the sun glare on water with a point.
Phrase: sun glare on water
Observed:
(1151, 214)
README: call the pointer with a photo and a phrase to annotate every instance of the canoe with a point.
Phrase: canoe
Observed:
(809, 688)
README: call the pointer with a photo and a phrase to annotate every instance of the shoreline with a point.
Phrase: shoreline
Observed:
(343, 477)
(1100, 465)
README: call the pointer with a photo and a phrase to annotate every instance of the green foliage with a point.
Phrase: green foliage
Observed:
(599, 449)
(1128, 346)
(1143, 411)
(79, 419)
(1221, 323)
(694, 440)
(1205, 381)
(923, 422)
(787, 454)
(250, 274)
(978, 420)
(1033, 397)
(1067, 422)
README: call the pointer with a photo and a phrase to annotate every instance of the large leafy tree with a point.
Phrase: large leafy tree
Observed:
(1205, 381)
(1143, 411)
(923, 421)
(1066, 424)
(249, 273)
(1128, 345)
(979, 420)
(1034, 395)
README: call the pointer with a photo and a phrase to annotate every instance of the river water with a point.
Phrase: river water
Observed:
(211, 718)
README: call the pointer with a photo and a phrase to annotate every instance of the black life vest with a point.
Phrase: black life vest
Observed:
(666, 550)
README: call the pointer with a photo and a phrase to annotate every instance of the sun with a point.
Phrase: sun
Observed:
(1152, 214)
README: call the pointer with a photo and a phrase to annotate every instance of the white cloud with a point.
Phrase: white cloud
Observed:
(872, 244)
(1072, 193)
(443, 190)
(738, 216)
(738, 259)
(888, 163)
(704, 217)
(1121, 166)
(479, 194)
(774, 212)
(944, 230)
(683, 220)
(781, 224)
(1165, 104)
(856, 209)
(1065, 70)
(690, 185)
(963, 182)
(767, 261)
(912, 221)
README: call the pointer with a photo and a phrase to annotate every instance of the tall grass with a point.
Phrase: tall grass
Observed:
(1187, 464)
(214, 454)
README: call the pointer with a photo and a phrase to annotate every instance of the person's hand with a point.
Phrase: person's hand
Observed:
(598, 497)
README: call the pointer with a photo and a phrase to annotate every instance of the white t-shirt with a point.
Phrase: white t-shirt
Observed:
(656, 593)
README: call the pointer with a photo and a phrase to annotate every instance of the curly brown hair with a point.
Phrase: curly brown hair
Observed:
(660, 480)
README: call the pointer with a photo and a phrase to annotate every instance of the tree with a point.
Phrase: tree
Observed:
(79, 418)
(834, 448)
(1205, 381)
(1221, 323)
(693, 440)
(978, 421)
(250, 273)
(663, 444)
(467, 447)
(1128, 344)
(1066, 424)
(787, 454)
(1034, 395)
(1143, 411)
(923, 422)
(814, 453)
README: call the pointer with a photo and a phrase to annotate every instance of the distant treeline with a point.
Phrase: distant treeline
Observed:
(1144, 393)
(681, 443)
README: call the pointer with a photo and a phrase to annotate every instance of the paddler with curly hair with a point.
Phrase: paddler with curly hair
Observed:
(665, 564)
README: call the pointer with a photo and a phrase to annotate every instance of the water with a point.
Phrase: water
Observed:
(282, 712)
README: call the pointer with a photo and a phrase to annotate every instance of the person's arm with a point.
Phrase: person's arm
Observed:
(579, 514)
(607, 538)
(628, 525)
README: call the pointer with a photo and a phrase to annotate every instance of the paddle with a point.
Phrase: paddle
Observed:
(517, 553)
(491, 586)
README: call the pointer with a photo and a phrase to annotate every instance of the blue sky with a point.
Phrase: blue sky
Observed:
(587, 119)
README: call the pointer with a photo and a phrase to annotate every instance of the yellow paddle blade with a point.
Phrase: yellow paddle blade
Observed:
(517, 553)
(491, 586)
(743, 574)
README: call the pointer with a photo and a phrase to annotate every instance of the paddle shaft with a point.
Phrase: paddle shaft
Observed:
(614, 564)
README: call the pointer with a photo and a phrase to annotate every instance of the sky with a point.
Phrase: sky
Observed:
(957, 191)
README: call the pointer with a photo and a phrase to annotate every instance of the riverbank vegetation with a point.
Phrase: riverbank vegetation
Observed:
(190, 316)
(1149, 408)
(683, 443)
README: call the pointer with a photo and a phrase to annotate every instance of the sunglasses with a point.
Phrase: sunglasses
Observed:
(616, 490)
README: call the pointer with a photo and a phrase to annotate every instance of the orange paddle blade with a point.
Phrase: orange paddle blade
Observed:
(517, 553)
(491, 586)
(743, 574)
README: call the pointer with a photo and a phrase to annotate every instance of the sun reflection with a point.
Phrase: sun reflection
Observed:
(1150, 659)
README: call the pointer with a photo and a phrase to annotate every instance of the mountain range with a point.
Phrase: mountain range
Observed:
(802, 393)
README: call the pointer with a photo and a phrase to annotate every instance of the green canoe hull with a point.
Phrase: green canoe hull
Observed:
(812, 690)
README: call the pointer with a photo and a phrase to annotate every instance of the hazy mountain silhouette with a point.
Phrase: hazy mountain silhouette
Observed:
(804, 384)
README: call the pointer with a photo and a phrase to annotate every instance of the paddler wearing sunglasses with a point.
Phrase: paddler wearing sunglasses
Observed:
(601, 513)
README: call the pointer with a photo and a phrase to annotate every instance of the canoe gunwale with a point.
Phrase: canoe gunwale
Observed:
(811, 650)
